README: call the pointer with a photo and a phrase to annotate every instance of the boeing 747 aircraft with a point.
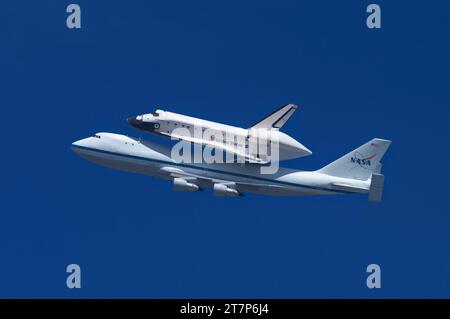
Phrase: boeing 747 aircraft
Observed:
(195, 130)
(356, 172)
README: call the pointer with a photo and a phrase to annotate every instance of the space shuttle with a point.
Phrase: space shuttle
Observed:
(203, 132)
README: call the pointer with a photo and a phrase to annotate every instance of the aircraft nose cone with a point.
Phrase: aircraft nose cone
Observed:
(78, 145)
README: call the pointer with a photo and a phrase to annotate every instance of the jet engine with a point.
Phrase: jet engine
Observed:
(180, 184)
(224, 190)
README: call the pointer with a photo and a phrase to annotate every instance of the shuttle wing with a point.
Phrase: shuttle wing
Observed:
(278, 118)
(220, 146)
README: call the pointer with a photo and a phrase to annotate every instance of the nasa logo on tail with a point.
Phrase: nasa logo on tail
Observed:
(362, 160)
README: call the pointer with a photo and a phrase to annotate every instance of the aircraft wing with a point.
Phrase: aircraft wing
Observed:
(201, 181)
(278, 118)
(220, 146)
(179, 173)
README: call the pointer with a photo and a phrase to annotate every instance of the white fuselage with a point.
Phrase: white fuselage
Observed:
(196, 130)
(130, 154)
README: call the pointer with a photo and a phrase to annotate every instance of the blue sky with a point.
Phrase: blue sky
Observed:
(232, 62)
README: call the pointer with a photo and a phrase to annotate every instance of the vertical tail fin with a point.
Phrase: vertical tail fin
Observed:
(360, 163)
(278, 118)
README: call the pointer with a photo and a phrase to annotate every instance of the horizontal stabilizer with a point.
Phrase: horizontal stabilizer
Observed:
(278, 118)
(376, 188)
(347, 188)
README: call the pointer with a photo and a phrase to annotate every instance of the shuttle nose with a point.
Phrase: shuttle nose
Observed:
(144, 124)
(133, 122)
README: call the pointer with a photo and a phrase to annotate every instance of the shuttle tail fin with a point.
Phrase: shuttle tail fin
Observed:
(278, 118)
(361, 163)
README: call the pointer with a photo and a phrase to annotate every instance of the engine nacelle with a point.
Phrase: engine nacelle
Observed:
(224, 190)
(180, 184)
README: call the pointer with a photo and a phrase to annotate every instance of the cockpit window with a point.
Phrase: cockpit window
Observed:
(96, 136)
